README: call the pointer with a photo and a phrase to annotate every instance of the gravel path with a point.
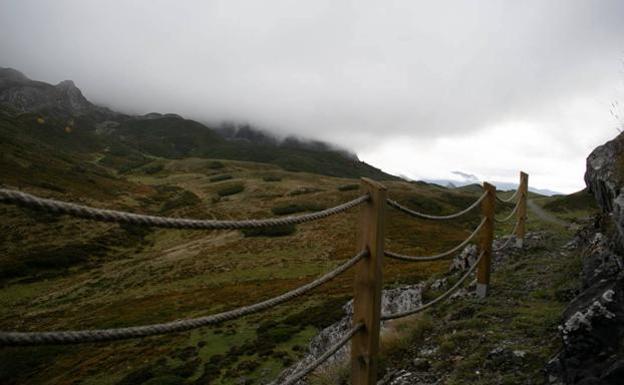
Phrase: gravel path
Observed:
(543, 215)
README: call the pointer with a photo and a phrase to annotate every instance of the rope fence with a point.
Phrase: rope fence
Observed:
(367, 263)
(330, 352)
(417, 214)
(403, 257)
(511, 198)
(511, 214)
(441, 298)
(58, 207)
(100, 335)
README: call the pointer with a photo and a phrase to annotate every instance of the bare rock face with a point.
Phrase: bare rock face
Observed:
(25, 95)
(592, 327)
(593, 323)
(604, 178)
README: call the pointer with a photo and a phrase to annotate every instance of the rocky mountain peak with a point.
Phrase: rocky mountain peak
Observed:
(22, 94)
(11, 74)
(66, 84)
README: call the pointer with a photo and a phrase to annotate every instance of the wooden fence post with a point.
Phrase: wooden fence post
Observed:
(522, 208)
(487, 236)
(368, 283)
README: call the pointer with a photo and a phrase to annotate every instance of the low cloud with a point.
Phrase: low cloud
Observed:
(466, 177)
(362, 75)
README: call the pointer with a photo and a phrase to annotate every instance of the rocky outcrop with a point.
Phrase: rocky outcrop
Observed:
(393, 300)
(502, 248)
(22, 94)
(592, 327)
(604, 177)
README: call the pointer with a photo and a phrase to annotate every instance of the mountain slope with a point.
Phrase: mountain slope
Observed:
(77, 124)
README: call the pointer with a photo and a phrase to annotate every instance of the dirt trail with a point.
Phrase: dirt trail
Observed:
(543, 215)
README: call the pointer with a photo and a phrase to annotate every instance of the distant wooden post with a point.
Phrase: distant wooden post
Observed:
(368, 283)
(487, 236)
(523, 195)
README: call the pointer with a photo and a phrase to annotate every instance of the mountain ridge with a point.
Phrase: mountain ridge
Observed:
(164, 135)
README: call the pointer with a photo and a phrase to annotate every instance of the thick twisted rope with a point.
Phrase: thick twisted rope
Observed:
(58, 207)
(99, 335)
(403, 257)
(331, 351)
(511, 214)
(417, 214)
(511, 198)
(450, 291)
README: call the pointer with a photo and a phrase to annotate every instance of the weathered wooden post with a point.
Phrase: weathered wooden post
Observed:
(521, 214)
(368, 283)
(487, 236)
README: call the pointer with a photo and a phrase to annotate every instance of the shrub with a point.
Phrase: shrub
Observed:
(424, 204)
(273, 231)
(18, 364)
(320, 316)
(459, 201)
(349, 187)
(271, 178)
(185, 199)
(215, 165)
(304, 190)
(153, 168)
(219, 178)
(49, 186)
(164, 380)
(231, 190)
(292, 208)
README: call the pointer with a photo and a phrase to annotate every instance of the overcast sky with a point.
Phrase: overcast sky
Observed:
(419, 89)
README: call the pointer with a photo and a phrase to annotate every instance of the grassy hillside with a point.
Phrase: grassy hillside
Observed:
(63, 273)
(176, 138)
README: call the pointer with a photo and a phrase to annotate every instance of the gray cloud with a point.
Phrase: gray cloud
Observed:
(466, 177)
(356, 73)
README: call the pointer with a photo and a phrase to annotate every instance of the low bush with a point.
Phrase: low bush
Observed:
(349, 187)
(215, 165)
(424, 204)
(184, 199)
(459, 201)
(231, 190)
(219, 178)
(164, 380)
(304, 190)
(271, 178)
(273, 231)
(153, 168)
(45, 259)
(292, 208)
(49, 186)
(320, 315)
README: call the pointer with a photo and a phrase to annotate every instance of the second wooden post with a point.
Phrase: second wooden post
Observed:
(368, 283)
(522, 208)
(487, 236)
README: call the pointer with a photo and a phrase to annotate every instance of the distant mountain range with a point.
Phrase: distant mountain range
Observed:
(60, 115)
(505, 186)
